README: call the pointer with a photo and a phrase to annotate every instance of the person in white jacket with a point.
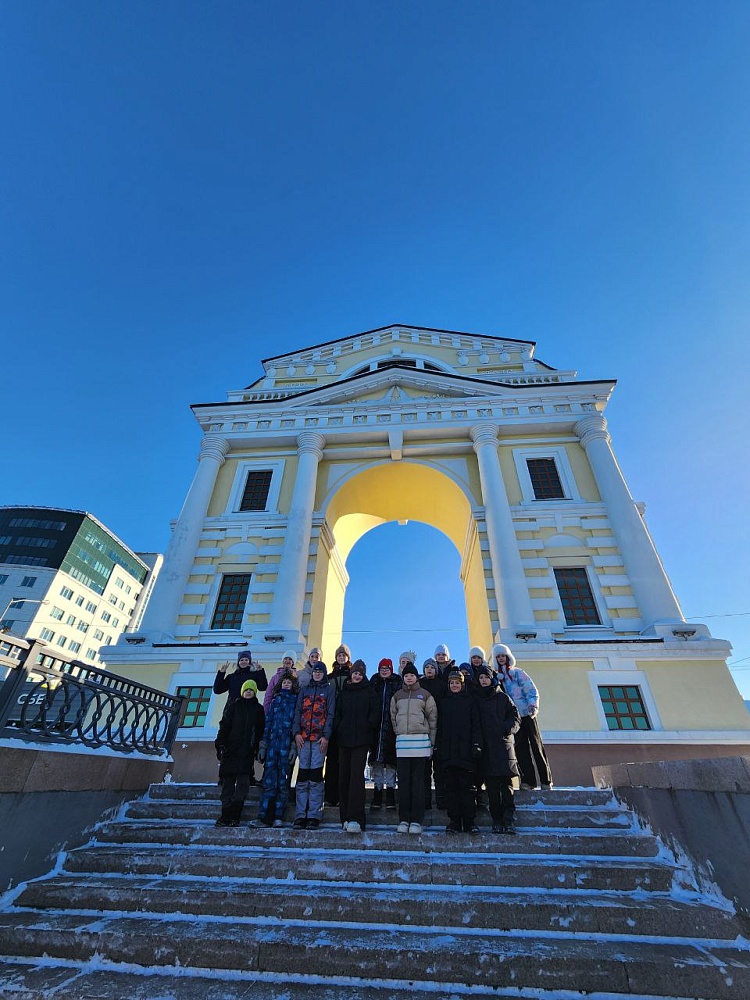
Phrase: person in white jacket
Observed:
(530, 751)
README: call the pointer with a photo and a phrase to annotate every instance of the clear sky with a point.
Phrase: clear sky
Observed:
(188, 187)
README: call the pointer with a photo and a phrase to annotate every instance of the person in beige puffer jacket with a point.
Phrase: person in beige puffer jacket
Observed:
(414, 717)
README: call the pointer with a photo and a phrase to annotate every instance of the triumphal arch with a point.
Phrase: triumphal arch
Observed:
(509, 458)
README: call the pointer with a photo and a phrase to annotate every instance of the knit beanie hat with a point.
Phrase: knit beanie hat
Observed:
(409, 655)
(500, 650)
(442, 648)
(244, 653)
(343, 649)
(484, 670)
(456, 675)
(249, 686)
(385, 662)
(429, 662)
(359, 667)
(476, 651)
(319, 666)
(291, 655)
(410, 669)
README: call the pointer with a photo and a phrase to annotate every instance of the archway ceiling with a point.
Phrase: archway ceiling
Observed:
(397, 491)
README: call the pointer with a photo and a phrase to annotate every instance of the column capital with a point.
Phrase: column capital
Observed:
(592, 428)
(214, 446)
(311, 443)
(484, 433)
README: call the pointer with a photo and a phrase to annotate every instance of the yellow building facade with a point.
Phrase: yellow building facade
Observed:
(512, 461)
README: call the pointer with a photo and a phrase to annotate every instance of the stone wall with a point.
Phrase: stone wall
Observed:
(51, 798)
(701, 807)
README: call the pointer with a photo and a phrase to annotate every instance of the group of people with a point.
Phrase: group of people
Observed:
(462, 727)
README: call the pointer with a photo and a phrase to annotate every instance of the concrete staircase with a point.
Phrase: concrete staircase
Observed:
(162, 904)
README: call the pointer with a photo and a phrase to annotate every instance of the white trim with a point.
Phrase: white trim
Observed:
(647, 737)
(564, 471)
(625, 678)
(275, 467)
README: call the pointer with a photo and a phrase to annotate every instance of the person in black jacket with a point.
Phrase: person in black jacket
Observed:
(246, 671)
(356, 719)
(459, 737)
(342, 664)
(383, 751)
(240, 732)
(499, 721)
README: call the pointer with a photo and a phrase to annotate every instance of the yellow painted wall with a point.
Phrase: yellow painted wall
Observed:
(584, 477)
(565, 695)
(695, 695)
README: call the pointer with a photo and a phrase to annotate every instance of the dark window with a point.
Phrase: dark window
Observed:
(545, 479)
(230, 606)
(197, 705)
(256, 490)
(577, 599)
(28, 581)
(624, 708)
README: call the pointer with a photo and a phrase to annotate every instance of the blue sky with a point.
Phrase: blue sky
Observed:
(190, 186)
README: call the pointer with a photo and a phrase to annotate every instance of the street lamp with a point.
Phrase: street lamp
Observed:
(11, 602)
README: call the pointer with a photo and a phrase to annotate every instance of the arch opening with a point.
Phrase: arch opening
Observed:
(363, 498)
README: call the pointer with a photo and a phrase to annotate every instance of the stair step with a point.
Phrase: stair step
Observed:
(538, 816)
(586, 842)
(427, 905)
(291, 865)
(552, 797)
(694, 969)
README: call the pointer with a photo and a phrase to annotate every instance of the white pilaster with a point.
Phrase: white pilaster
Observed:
(653, 592)
(286, 612)
(511, 590)
(166, 600)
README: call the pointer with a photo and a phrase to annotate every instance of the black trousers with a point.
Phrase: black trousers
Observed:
(460, 800)
(352, 762)
(234, 788)
(500, 795)
(410, 772)
(332, 772)
(530, 751)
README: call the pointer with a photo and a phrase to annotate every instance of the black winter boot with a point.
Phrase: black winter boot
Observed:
(235, 813)
(390, 798)
(226, 817)
(377, 800)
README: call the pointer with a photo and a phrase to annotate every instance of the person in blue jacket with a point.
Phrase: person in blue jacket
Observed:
(278, 751)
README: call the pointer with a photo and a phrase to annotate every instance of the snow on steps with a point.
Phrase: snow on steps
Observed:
(591, 904)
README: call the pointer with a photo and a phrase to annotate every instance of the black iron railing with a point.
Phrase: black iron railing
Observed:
(46, 698)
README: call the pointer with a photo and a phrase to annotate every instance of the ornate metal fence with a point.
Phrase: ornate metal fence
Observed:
(47, 698)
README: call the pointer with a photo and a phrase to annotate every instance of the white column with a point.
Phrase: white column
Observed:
(511, 589)
(653, 592)
(289, 599)
(169, 590)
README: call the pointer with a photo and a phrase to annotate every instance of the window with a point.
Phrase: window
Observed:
(83, 627)
(74, 647)
(624, 708)
(545, 479)
(47, 634)
(121, 605)
(197, 705)
(107, 640)
(128, 589)
(79, 600)
(6, 625)
(61, 641)
(230, 605)
(57, 613)
(576, 596)
(90, 654)
(3, 577)
(70, 620)
(112, 598)
(98, 634)
(66, 592)
(119, 583)
(33, 522)
(115, 622)
(257, 485)
(28, 581)
(91, 607)
(106, 616)
(16, 604)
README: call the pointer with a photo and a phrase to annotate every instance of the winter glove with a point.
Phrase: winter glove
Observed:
(476, 751)
(262, 749)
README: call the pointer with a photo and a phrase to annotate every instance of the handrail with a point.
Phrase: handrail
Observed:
(47, 698)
